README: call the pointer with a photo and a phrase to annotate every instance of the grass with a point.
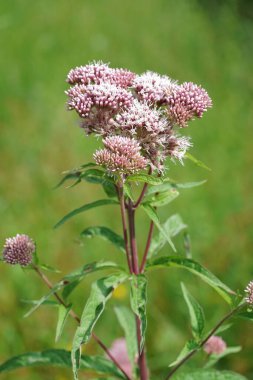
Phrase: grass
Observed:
(187, 40)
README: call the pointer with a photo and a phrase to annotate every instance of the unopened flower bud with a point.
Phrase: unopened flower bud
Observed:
(19, 250)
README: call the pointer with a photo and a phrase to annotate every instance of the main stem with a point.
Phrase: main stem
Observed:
(135, 265)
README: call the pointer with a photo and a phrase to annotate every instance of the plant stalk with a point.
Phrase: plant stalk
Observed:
(212, 332)
(145, 255)
(78, 320)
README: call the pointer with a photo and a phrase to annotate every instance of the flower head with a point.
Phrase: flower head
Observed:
(187, 101)
(121, 155)
(249, 292)
(177, 146)
(152, 87)
(118, 350)
(215, 345)
(18, 250)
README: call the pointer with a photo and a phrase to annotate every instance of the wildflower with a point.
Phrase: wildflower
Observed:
(121, 154)
(249, 292)
(18, 250)
(177, 146)
(215, 345)
(118, 350)
(99, 72)
(152, 87)
(187, 101)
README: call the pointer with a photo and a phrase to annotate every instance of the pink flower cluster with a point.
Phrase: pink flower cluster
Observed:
(143, 111)
(18, 250)
(215, 345)
(249, 292)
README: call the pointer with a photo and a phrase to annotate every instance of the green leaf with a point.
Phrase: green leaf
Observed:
(128, 191)
(196, 313)
(189, 185)
(105, 233)
(189, 346)
(196, 161)
(138, 302)
(248, 315)
(110, 189)
(127, 322)
(209, 375)
(213, 359)
(162, 199)
(48, 268)
(61, 358)
(101, 202)
(94, 176)
(45, 303)
(74, 173)
(173, 226)
(151, 212)
(75, 276)
(101, 291)
(62, 319)
(152, 180)
(197, 269)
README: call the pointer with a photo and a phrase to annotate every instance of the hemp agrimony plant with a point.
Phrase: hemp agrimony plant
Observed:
(139, 119)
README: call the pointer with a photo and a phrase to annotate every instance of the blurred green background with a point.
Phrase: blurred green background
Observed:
(207, 42)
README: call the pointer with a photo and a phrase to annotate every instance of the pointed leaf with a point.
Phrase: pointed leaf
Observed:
(173, 226)
(101, 202)
(213, 359)
(151, 212)
(110, 189)
(164, 198)
(62, 319)
(127, 322)
(189, 346)
(77, 275)
(196, 313)
(152, 180)
(105, 233)
(100, 293)
(197, 269)
(138, 302)
(128, 191)
(196, 161)
(61, 358)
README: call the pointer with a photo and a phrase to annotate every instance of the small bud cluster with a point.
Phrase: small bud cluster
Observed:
(249, 292)
(147, 109)
(18, 250)
(215, 345)
(121, 155)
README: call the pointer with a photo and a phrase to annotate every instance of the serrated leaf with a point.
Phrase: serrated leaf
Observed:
(164, 198)
(195, 268)
(101, 291)
(196, 313)
(173, 226)
(147, 178)
(77, 275)
(127, 322)
(61, 358)
(189, 346)
(209, 375)
(105, 233)
(196, 161)
(138, 302)
(63, 313)
(101, 202)
(151, 212)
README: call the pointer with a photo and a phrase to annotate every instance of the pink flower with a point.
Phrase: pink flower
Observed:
(118, 350)
(215, 345)
(121, 155)
(18, 250)
(187, 101)
(249, 292)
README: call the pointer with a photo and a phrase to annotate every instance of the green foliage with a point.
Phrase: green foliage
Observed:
(101, 202)
(210, 375)
(151, 212)
(173, 226)
(61, 358)
(101, 291)
(196, 161)
(164, 198)
(189, 346)
(63, 313)
(197, 269)
(127, 322)
(75, 278)
(213, 359)
(196, 312)
(146, 178)
(105, 233)
(138, 302)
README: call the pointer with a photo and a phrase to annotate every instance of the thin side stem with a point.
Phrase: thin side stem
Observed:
(193, 352)
(131, 221)
(142, 192)
(145, 255)
(124, 224)
(78, 320)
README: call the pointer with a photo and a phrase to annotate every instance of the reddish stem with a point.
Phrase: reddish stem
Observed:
(145, 255)
(131, 221)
